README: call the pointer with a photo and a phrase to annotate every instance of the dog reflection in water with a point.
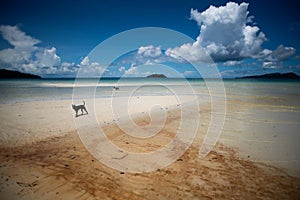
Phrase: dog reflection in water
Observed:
(80, 107)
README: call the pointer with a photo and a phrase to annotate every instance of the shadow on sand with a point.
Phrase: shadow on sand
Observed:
(81, 115)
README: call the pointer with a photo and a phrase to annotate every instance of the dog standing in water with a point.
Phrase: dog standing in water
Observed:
(79, 107)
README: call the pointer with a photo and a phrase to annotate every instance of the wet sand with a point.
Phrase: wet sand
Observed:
(46, 159)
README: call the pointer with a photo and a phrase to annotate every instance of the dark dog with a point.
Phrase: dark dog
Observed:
(80, 107)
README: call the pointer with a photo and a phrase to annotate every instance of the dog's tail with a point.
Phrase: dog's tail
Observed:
(83, 103)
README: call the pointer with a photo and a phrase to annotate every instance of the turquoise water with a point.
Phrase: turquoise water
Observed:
(59, 89)
(12, 91)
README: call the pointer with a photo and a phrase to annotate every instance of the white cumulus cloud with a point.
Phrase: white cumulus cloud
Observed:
(17, 38)
(132, 71)
(85, 61)
(149, 51)
(23, 46)
(149, 55)
(90, 69)
(121, 69)
(281, 53)
(48, 57)
(25, 56)
(232, 63)
(136, 71)
(226, 34)
(270, 65)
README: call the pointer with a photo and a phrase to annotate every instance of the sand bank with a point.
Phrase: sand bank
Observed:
(28, 122)
(43, 157)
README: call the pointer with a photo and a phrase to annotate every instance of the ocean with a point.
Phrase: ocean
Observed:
(284, 92)
(62, 89)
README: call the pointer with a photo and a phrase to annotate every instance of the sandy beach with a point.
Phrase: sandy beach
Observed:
(42, 156)
(149, 100)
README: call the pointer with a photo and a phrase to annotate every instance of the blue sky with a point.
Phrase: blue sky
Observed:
(53, 38)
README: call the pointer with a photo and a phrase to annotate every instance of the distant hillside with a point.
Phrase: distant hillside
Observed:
(156, 76)
(289, 75)
(10, 74)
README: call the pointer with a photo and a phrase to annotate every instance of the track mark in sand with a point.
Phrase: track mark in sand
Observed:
(221, 175)
(34, 183)
(120, 158)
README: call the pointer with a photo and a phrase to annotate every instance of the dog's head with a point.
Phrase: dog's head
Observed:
(73, 106)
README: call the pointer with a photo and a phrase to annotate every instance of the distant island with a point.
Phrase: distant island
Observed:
(289, 75)
(156, 76)
(10, 74)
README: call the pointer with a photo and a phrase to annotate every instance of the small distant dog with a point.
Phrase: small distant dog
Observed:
(79, 107)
